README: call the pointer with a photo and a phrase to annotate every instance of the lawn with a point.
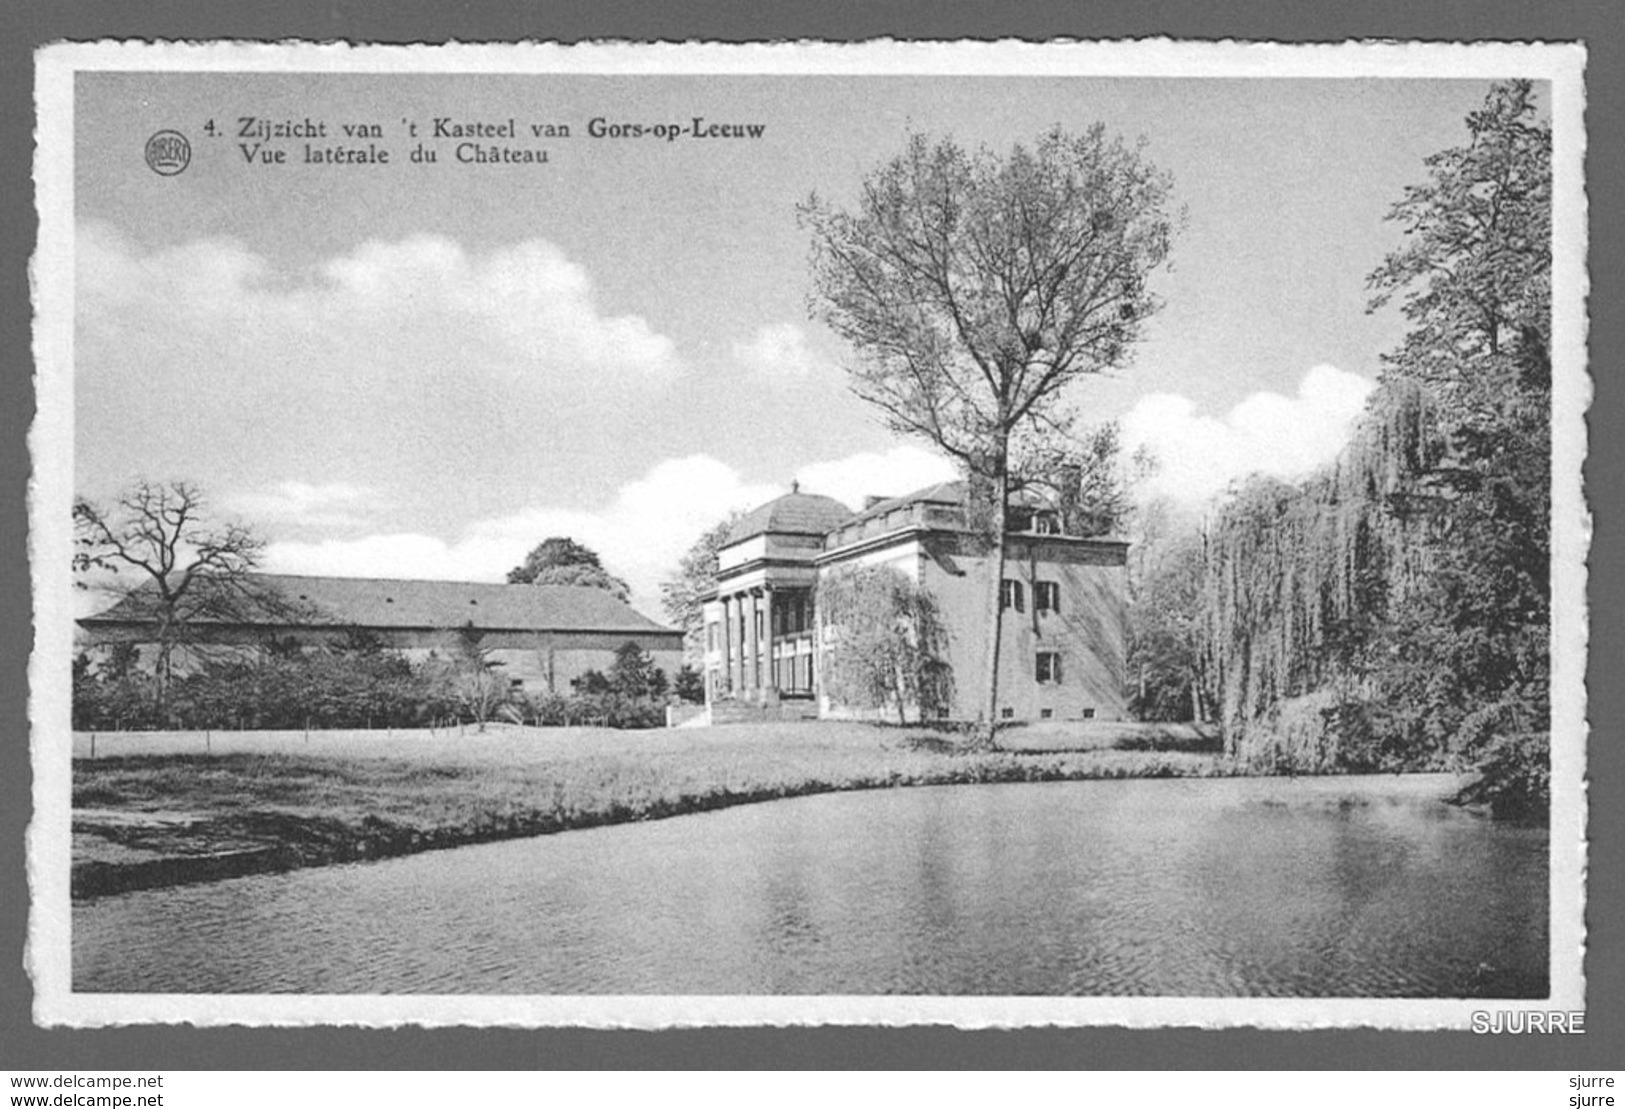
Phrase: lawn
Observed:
(162, 808)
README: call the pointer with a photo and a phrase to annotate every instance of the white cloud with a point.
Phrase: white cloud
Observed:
(779, 352)
(402, 555)
(445, 375)
(335, 504)
(1267, 433)
(892, 473)
(525, 308)
(530, 294)
(640, 534)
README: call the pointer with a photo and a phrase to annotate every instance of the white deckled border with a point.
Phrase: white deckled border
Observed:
(51, 491)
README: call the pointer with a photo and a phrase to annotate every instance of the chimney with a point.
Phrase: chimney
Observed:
(1071, 500)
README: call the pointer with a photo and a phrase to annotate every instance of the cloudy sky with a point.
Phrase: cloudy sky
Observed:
(422, 371)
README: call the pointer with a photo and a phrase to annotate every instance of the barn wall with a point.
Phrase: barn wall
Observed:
(541, 661)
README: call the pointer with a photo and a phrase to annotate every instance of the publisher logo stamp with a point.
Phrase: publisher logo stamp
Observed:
(168, 153)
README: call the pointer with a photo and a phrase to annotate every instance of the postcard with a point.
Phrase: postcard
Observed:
(633, 535)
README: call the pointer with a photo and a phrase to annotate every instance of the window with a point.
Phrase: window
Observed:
(1049, 667)
(1088, 714)
(1045, 523)
(1045, 714)
(1012, 594)
(711, 636)
(1007, 714)
(1047, 596)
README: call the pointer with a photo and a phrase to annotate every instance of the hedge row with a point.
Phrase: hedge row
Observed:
(333, 690)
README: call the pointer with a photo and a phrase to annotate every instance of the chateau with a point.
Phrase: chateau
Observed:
(1063, 630)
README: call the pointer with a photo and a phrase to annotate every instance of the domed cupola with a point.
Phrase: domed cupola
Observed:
(795, 513)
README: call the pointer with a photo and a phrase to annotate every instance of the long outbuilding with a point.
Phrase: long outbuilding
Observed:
(545, 636)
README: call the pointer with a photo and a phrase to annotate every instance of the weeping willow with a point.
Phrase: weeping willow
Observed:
(1302, 582)
(1395, 611)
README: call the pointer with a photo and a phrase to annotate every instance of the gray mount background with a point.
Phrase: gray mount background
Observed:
(24, 1047)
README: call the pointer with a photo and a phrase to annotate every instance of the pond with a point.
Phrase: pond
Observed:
(1345, 887)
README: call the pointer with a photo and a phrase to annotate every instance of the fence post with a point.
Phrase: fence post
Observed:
(92, 744)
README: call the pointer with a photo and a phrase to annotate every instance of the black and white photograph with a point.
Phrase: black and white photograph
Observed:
(978, 534)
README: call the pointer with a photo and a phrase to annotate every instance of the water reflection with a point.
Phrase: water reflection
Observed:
(1363, 887)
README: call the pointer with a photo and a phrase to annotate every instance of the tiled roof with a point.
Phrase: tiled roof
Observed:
(397, 603)
(943, 495)
(943, 492)
(795, 513)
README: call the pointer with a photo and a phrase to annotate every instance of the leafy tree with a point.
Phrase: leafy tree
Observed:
(1166, 659)
(689, 686)
(883, 642)
(974, 290)
(1474, 280)
(183, 571)
(683, 596)
(116, 660)
(1399, 601)
(360, 641)
(107, 701)
(1082, 479)
(481, 686)
(560, 560)
(634, 673)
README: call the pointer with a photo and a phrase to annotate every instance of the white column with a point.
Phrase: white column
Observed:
(754, 642)
(727, 681)
(768, 664)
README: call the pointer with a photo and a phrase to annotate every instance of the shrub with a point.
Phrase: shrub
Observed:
(604, 709)
(1515, 776)
(689, 686)
(103, 703)
(330, 689)
(1329, 730)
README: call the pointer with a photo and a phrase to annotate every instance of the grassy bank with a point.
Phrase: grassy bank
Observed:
(240, 803)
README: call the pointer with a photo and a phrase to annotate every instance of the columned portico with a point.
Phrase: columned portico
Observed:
(760, 615)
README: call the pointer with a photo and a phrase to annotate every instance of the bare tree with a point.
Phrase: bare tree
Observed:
(975, 289)
(184, 570)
